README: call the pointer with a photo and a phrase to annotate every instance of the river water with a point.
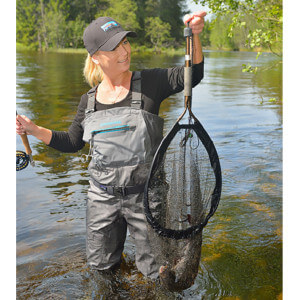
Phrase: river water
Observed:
(242, 243)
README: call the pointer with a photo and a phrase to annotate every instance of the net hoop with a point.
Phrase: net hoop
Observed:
(157, 160)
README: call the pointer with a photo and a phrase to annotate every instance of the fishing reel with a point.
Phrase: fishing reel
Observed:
(22, 160)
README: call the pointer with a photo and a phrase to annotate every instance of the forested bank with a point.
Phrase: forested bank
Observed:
(44, 24)
(235, 25)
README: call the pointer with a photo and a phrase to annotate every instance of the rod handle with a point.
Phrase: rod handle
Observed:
(26, 143)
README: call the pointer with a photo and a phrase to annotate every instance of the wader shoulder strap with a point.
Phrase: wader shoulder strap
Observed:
(91, 100)
(136, 101)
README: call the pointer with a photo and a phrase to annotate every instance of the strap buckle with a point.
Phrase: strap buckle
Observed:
(115, 190)
(87, 111)
(121, 191)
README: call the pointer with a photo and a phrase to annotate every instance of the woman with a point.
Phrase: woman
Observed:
(119, 118)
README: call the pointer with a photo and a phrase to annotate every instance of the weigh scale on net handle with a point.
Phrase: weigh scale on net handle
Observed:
(23, 158)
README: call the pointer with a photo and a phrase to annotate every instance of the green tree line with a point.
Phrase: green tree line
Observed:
(44, 24)
(236, 24)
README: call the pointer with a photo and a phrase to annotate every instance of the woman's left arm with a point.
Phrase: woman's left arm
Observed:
(170, 81)
(196, 22)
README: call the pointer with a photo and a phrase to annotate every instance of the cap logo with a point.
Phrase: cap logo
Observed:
(109, 25)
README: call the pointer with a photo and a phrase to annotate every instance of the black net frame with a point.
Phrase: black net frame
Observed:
(157, 161)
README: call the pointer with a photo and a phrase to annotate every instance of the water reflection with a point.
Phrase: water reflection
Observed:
(242, 244)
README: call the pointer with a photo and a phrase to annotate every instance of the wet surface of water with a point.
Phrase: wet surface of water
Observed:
(242, 244)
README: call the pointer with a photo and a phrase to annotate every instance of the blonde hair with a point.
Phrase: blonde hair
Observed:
(92, 72)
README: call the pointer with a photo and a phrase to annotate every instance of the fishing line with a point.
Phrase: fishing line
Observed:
(183, 188)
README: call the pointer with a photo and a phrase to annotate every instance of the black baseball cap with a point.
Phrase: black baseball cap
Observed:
(104, 34)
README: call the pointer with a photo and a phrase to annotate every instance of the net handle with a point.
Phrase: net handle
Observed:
(188, 34)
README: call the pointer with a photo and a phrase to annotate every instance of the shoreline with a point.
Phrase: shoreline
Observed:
(135, 50)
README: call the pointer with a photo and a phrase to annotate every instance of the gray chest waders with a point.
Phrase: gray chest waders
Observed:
(123, 141)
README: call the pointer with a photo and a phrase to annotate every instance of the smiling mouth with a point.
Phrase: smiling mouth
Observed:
(122, 61)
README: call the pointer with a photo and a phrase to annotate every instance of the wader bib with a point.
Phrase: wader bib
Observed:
(123, 141)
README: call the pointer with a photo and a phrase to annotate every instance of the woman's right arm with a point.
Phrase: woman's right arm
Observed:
(26, 126)
(65, 141)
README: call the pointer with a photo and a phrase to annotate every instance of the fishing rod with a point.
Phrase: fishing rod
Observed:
(23, 158)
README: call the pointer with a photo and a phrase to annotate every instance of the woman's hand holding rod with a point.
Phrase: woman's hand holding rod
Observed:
(25, 126)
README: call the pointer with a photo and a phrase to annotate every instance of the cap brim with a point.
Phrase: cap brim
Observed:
(112, 43)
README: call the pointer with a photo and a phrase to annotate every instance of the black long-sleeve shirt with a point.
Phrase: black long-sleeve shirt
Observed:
(157, 85)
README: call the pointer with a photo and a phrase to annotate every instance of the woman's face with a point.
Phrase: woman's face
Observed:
(115, 61)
